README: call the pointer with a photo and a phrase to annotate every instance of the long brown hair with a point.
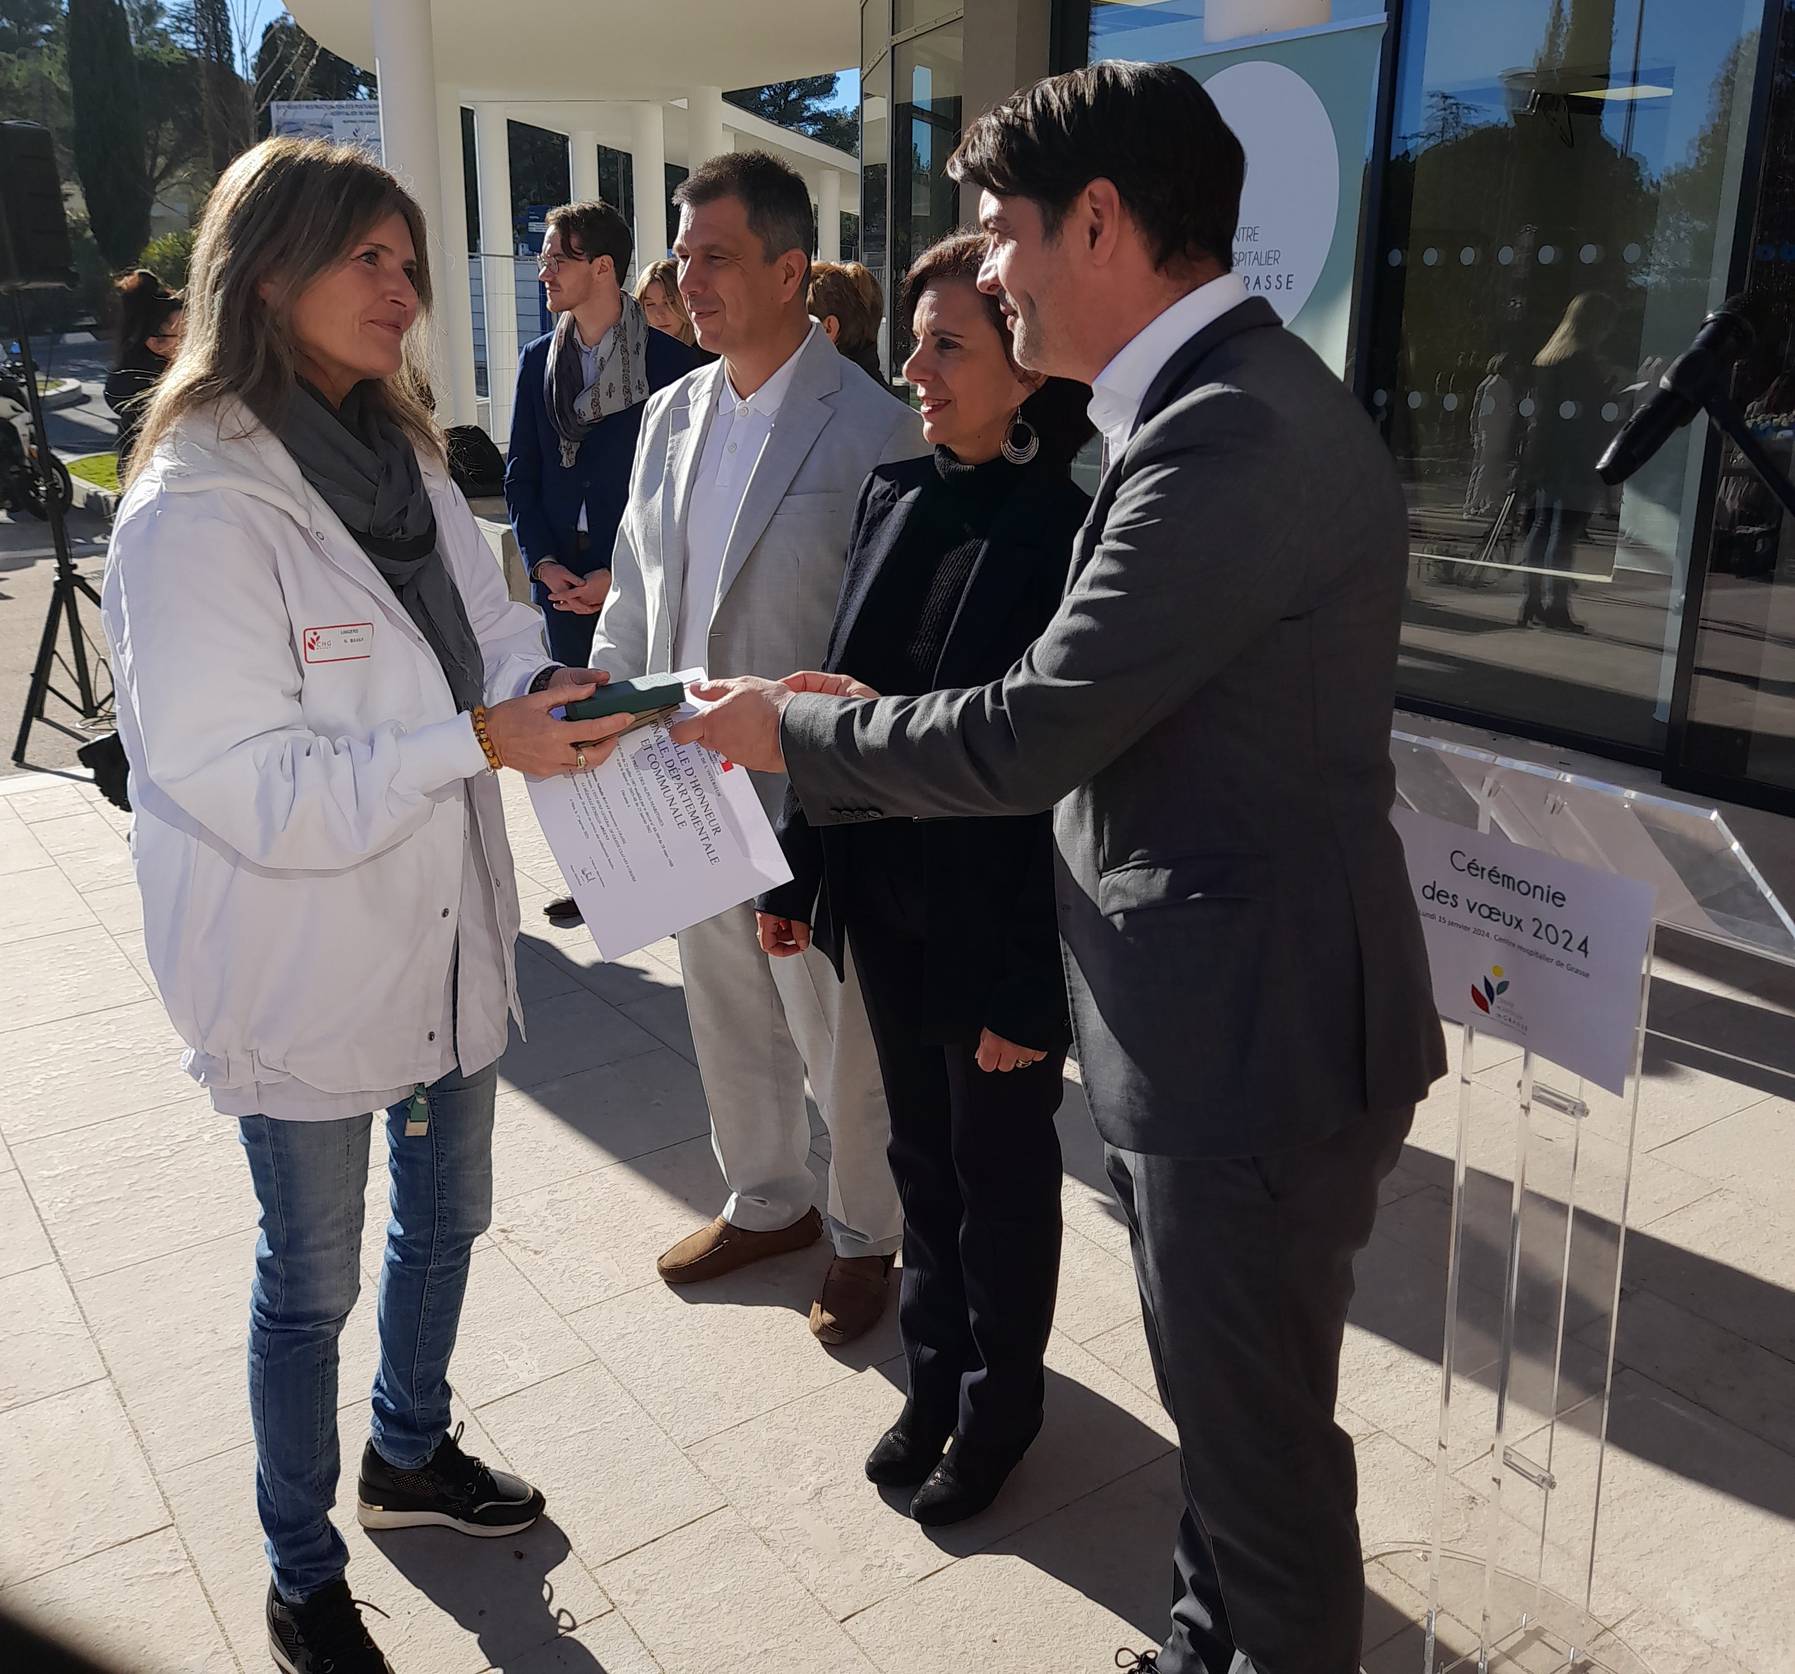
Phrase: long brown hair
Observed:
(281, 215)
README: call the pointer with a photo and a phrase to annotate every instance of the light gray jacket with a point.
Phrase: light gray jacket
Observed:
(783, 565)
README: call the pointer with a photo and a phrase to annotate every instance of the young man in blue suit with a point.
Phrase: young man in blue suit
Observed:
(579, 401)
(580, 392)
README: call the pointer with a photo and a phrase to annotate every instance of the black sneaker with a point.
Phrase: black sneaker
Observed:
(324, 1635)
(453, 1490)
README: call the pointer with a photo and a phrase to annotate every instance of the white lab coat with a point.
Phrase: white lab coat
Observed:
(299, 773)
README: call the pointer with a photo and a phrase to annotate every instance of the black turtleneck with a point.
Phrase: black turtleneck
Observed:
(903, 627)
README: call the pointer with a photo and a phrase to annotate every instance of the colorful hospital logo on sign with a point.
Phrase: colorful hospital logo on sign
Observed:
(1491, 989)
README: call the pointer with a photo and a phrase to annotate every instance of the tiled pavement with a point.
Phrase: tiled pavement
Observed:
(700, 1452)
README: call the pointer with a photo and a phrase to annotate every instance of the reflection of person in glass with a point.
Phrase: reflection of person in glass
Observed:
(1492, 438)
(1570, 383)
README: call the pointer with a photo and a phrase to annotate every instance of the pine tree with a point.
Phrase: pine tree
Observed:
(108, 128)
(228, 128)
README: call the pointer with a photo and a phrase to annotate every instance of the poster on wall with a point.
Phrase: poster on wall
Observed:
(1291, 203)
(341, 121)
(1302, 107)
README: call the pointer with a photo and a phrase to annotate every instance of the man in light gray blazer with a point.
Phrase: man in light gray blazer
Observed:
(730, 556)
(1209, 716)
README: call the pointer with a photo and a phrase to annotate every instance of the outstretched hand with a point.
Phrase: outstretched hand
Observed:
(740, 721)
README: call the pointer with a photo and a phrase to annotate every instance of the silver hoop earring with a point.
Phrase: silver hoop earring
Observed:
(1021, 441)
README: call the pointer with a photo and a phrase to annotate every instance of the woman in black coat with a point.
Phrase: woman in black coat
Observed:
(149, 332)
(956, 563)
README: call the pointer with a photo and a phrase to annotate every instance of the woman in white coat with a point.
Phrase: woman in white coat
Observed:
(318, 670)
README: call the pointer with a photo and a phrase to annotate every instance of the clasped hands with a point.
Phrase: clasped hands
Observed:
(568, 591)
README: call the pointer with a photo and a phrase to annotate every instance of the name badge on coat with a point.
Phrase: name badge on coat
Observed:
(339, 642)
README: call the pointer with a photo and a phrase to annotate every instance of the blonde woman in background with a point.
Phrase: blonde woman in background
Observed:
(318, 670)
(657, 289)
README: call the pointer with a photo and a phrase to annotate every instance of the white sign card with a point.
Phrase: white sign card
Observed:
(1531, 948)
(659, 838)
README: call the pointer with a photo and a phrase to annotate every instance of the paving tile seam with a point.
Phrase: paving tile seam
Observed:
(562, 1075)
(88, 1557)
(57, 1394)
(190, 1099)
(86, 1015)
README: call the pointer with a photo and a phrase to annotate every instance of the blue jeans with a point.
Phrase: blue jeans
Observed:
(310, 1179)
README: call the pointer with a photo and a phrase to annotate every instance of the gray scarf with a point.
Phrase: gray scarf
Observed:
(363, 466)
(575, 406)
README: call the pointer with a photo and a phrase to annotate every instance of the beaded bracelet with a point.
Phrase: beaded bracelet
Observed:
(492, 755)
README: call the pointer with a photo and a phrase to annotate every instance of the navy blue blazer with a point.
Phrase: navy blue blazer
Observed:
(542, 496)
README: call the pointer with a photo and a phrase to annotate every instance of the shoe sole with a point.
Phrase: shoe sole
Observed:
(285, 1667)
(378, 1517)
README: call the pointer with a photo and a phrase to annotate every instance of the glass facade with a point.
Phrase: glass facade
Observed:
(1537, 203)
(1740, 722)
(911, 83)
(1563, 185)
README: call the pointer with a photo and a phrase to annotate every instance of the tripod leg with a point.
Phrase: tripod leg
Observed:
(40, 674)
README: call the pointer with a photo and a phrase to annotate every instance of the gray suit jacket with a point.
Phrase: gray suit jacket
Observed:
(1210, 712)
(783, 565)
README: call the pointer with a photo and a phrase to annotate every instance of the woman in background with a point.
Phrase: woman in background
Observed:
(657, 289)
(845, 298)
(149, 333)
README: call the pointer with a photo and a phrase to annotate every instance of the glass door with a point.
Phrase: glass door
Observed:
(1738, 737)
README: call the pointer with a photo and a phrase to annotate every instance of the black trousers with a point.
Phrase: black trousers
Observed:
(1245, 1271)
(977, 1165)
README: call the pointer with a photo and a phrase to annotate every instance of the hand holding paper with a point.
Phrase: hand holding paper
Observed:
(659, 837)
(740, 718)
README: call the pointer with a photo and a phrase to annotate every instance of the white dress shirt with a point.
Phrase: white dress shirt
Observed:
(738, 432)
(589, 358)
(1122, 386)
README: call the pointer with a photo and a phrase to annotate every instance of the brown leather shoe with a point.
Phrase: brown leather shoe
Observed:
(853, 1298)
(721, 1248)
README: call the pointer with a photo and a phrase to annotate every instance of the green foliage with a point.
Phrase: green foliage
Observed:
(291, 65)
(169, 256)
(108, 127)
(801, 105)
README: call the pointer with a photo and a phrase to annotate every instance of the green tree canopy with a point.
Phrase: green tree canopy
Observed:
(109, 129)
(802, 106)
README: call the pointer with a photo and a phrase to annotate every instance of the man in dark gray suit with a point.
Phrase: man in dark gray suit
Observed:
(1208, 715)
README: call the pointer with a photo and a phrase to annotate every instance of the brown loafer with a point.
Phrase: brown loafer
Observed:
(853, 1298)
(721, 1248)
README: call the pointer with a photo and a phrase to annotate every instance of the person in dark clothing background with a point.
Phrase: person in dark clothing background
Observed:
(149, 333)
(955, 564)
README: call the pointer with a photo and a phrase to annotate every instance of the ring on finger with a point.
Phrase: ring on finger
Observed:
(579, 760)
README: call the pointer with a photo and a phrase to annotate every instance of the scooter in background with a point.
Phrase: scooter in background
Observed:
(27, 470)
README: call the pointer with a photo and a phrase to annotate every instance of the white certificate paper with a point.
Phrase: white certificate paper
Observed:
(661, 837)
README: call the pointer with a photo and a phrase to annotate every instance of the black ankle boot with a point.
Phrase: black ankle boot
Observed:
(965, 1483)
(906, 1453)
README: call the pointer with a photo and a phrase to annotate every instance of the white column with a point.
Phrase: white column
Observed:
(582, 154)
(498, 264)
(704, 126)
(828, 217)
(405, 61)
(648, 180)
(454, 301)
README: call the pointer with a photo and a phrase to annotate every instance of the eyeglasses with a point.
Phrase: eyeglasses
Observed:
(553, 264)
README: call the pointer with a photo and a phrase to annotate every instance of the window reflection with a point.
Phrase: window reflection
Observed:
(1561, 177)
(1742, 695)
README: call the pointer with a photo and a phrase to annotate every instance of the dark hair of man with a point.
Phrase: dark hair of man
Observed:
(594, 229)
(775, 197)
(1056, 410)
(1148, 129)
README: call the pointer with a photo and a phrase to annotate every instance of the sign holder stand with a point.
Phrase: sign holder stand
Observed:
(1537, 1236)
